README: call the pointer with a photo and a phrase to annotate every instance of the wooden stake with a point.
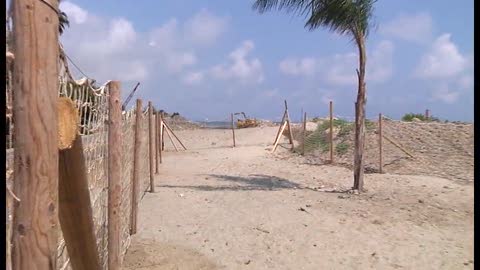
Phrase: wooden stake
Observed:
(290, 134)
(233, 131)
(380, 143)
(398, 146)
(159, 137)
(35, 223)
(163, 132)
(75, 210)
(136, 167)
(280, 127)
(169, 136)
(301, 115)
(279, 136)
(156, 142)
(114, 175)
(151, 145)
(331, 131)
(173, 133)
(304, 132)
(427, 114)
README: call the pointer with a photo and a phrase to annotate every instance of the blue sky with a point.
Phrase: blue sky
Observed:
(206, 59)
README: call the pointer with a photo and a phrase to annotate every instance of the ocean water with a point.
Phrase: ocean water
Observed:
(217, 124)
(220, 124)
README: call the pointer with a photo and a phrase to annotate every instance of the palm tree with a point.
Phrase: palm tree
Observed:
(345, 17)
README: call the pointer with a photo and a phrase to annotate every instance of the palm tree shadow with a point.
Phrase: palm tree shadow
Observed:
(241, 183)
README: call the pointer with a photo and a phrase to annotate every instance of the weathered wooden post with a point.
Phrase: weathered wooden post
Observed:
(35, 222)
(167, 127)
(136, 166)
(304, 132)
(427, 114)
(114, 174)
(290, 137)
(380, 142)
(159, 137)
(75, 210)
(331, 131)
(74, 204)
(233, 130)
(156, 142)
(151, 145)
(163, 132)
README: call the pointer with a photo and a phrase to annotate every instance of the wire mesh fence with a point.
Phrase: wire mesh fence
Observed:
(424, 148)
(91, 102)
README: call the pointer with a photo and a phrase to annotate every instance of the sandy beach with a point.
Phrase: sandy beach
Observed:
(218, 207)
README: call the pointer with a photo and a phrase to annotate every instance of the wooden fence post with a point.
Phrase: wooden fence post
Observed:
(114, 174)
(233, 130)
(290, 137)
(136, 167)
(304, 132)
(163, 132)
(331, 132)
(75, 210)
(150, 145)
(427, 114)
(35, 221)
(380, 143)
(160, 136)
(156, 142)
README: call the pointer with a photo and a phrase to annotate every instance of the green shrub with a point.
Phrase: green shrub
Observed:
(369, 125)
(316, 140)
(409, 117)
(341, 148)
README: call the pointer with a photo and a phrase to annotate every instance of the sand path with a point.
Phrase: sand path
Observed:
(221, 208)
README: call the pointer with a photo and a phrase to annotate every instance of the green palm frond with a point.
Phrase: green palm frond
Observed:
(62, 22)
(350, 17)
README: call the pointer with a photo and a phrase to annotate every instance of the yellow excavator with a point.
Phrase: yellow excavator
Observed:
(247, 122)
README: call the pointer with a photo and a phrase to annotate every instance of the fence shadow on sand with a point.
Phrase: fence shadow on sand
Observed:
(243, 183)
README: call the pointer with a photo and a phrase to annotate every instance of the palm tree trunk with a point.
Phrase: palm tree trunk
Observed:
(360, 118)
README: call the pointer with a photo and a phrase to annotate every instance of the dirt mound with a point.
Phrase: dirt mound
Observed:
(439, 149)
(178, 122)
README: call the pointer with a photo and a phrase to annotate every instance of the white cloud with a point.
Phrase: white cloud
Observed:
(121, 35)
(340, 70)
(450, 72)
(193, 78)
(465, 82)
(241, 68)
(178, 61)
(167, 42)
(444, 94)
(111, 48)
(416, 28)
(165, 37)
(326, 96)
(204, 28)
(442, 61)
(74, 12)
(271, 93)
(380, 62)
(135, 71)
(293, 66)
(104, 40)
